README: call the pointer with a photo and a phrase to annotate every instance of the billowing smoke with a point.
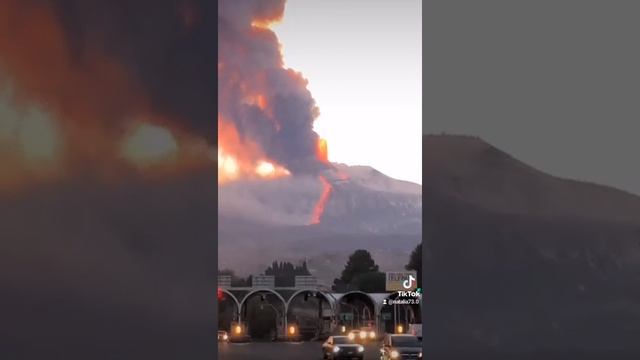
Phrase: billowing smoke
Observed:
(107, 270)
(98, 66)
(267, 103)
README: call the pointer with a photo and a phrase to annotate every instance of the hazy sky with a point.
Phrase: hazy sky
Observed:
(554, 83)
(363, 60)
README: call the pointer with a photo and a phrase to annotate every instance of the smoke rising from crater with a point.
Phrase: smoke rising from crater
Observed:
(267, 103)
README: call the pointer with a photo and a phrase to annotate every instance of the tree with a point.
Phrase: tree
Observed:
(285, 272)
(360, 262)
(360, 273)
(415, 262)
(370, 282)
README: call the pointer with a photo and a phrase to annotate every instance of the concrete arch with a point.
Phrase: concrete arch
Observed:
(253, 292)
(330, 299)
(416, 309)
(235, 299)
(250, 293)
(373, 301)
(375, 308)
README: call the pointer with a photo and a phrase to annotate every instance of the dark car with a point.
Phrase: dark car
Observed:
(401, 347)
(341, 347)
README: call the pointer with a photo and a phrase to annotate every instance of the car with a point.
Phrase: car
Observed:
(223, 336)
(401, 346)
(367, 334)
(356, 336)
(415, 329)
(342, 347)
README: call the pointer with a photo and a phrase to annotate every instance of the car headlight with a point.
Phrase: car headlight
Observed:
(395, 354)
(360, 349)
(363, 335)
(225, 337)
(336, 349)
(372, 334)
(420, 355)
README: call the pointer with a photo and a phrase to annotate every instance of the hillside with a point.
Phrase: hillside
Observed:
(470, 170)
(520, 261)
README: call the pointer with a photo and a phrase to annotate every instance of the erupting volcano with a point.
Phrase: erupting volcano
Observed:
(266, 113)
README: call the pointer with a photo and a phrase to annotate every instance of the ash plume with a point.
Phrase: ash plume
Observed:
(96, 66)
(267, 103)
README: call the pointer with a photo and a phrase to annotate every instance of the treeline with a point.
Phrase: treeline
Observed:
(284, 274)
(360, 273)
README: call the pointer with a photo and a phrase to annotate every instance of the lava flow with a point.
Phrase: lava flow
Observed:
(318, 210)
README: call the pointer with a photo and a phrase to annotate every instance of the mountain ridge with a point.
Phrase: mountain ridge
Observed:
(510, 269)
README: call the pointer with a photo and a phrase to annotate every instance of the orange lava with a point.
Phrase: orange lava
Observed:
(322, 151)
(318, 210)
(242, 159)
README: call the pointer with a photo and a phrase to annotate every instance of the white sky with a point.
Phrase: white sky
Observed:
(363, 60)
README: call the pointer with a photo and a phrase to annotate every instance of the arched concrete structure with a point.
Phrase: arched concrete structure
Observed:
(256, 291)
(329, 299)
(287, 295)
(372, 301)
(235, 299)
(271, 291)
(413, 309)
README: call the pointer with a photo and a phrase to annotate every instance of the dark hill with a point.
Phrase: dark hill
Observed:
(518, 261)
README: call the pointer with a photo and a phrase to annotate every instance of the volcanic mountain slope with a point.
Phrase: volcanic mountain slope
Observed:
(262, 221)
(367, 201)
(519, 261)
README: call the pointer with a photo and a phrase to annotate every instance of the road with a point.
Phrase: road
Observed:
(281, 351)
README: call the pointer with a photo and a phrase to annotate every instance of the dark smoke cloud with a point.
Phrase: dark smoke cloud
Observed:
(108, 62)
(123, 269)
(251, 64)
(168, 47)
(102, 63)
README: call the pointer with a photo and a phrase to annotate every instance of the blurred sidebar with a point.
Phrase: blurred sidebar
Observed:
(319, 178)
(532, 208)
(108, 201)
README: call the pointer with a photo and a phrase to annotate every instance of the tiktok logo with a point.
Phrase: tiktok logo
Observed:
(408, 284)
